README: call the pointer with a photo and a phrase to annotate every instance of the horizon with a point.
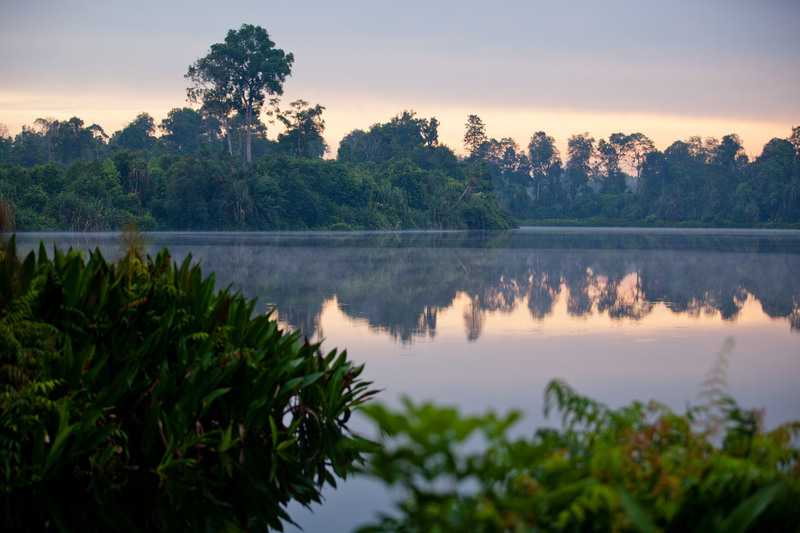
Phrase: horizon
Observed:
(599, 71)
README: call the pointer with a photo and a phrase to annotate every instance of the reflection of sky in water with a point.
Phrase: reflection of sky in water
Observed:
(487, 320)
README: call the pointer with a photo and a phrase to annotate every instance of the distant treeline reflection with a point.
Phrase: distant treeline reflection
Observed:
(399, 283)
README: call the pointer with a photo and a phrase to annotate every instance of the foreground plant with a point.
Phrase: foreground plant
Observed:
(133, 396)
(641, 467)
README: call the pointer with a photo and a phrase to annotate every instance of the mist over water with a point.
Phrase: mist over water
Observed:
(621, 305)
(485, 320)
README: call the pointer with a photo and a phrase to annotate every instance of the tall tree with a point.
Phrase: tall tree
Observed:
(730, 154)
(186, 130)
(580, 149)
(30, 147)
(405, 135)
(139, 134)
(723, 173)
(653, 180)
(73, 141)
(475, 136)
(683, 179)
(240, 73)
(430, 132)
(221, 110)
(795, 139)
(238, 133)
(304, 127)
(545, 161)
(609, 154)
(635, 149)
(773, 182)
(504, 155)
(619, 156)
(62, 141)
(5, 144)
(46, 128)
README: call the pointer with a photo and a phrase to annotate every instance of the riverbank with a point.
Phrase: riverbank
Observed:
(603, 222)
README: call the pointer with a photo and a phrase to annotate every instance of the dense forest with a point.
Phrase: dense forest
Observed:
(213, 166)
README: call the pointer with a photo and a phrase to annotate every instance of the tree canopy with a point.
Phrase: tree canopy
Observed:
(239, 74)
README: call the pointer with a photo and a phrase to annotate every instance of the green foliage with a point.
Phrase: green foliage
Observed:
(397, 138)
(304, 128)
(50, 140)
(238, 74)
(138, 135)
(86, 196)
(136, 396)
(216, 169)
(640, 467)
(188, 131)
(171, 190)
(624, 180)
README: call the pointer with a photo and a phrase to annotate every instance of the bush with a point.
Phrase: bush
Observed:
(134, 395)
(641, 467)
(482, 213)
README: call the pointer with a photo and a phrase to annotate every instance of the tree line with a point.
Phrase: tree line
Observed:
(625, 179)
(212, 166)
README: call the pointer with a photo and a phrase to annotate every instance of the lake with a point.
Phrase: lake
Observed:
(485, 320)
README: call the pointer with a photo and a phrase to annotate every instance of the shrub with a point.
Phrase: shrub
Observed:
(641, 467)
(133, 395)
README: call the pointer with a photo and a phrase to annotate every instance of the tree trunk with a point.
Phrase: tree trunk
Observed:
(227, 128)
(248, 148)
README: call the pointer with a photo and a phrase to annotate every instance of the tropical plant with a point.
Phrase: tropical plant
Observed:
(135, 396)
(640, 467)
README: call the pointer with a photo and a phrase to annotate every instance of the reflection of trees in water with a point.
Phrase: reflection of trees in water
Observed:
(402, 290)
(427, 322)
(399, 283)
(474, 317)
(794, 317)
(623, 298)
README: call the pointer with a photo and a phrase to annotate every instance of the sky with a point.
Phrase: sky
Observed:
(668, 69)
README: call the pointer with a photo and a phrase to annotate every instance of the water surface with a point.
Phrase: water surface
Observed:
(485, 320)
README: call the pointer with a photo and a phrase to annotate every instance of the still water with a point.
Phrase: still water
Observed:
(485, 320)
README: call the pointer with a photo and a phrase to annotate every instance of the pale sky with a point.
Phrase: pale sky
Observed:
(668, 69)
